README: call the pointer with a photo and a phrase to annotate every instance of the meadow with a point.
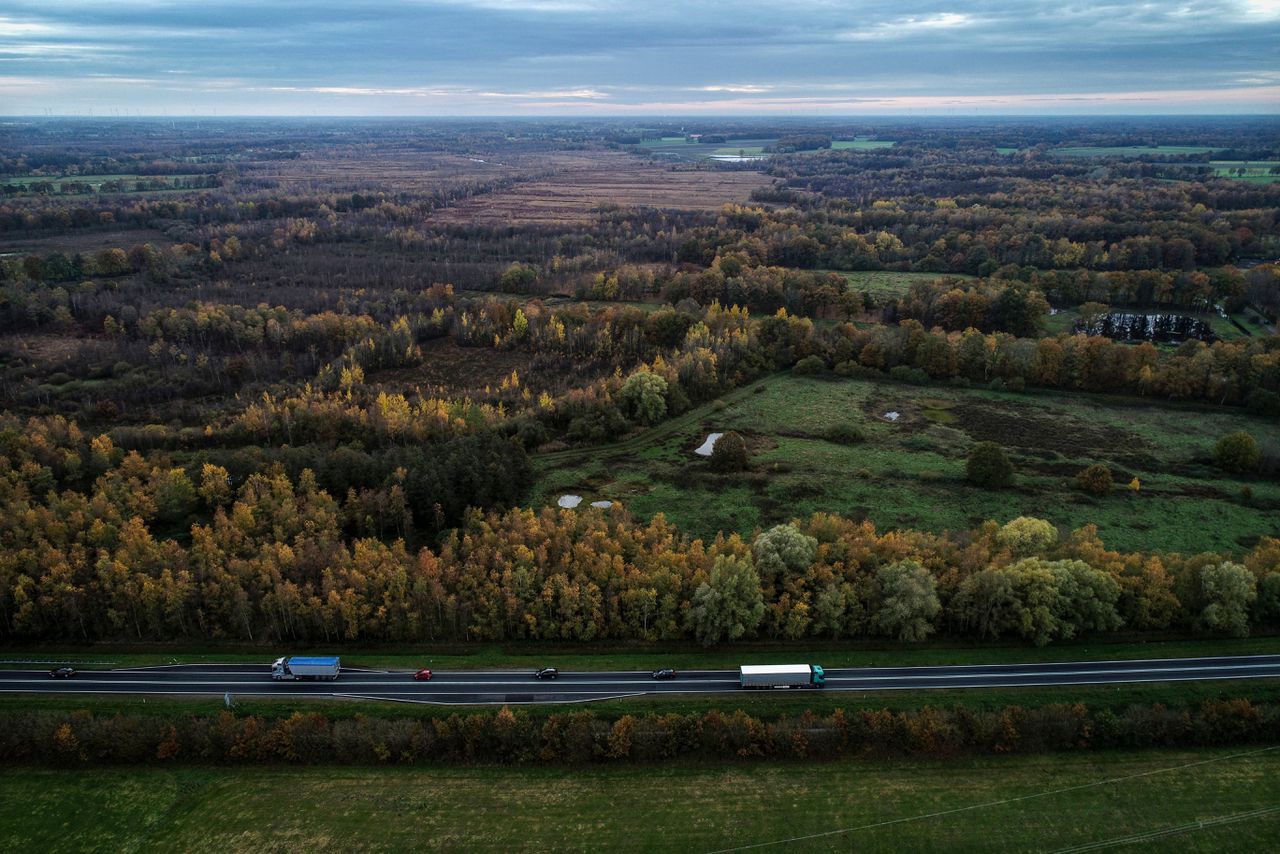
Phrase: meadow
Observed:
(909, 473)
(1200, 800)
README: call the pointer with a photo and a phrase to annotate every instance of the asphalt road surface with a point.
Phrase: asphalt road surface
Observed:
(519, 686)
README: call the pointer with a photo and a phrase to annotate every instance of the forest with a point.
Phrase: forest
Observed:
(295, 381)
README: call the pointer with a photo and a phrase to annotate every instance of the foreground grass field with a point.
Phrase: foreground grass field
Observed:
(1195, 800)
(909, 473)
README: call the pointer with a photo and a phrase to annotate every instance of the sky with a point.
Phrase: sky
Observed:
(654, 58)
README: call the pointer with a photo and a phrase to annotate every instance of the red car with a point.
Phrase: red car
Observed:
(422, 675)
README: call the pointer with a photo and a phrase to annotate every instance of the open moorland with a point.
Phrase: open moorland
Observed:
(909, 471)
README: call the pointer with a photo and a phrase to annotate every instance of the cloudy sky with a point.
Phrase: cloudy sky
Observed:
(617, 57)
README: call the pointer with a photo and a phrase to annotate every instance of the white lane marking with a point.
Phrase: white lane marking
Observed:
(592, 699)
(1085, 663)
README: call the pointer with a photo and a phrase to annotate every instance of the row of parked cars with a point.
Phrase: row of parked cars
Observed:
(424, 674)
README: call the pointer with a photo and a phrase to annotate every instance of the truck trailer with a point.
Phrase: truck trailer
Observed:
(781, 676)
(299, 667)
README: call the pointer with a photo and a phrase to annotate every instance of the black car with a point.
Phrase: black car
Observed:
(62, 673)
(664, 673)
(546, 673)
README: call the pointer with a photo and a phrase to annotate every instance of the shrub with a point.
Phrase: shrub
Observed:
(1237, 452)
(730, 453)
(809, 366)
(1096, 479)
(845, 433)
(988, 466)
(1027, 535)
(905, 374)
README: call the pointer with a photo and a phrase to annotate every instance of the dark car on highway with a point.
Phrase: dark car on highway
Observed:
(62, 672)
(423, 675)
(546, 673)
(664, 673)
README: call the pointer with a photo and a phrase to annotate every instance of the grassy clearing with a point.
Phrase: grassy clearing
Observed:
(862, 144)
(889, 283)
(1006, 803)
(910, 473)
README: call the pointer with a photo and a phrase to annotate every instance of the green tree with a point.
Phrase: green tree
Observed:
(908, 601)
(1237, 452)
(517, 278)
(730, 453)
(988, 466)
(644, 397)
(1087, 598)
(783, 552)
(729, 604)
(1226, 590)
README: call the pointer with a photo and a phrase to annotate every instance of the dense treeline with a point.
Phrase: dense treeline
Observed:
(151, 549)
(581, 738)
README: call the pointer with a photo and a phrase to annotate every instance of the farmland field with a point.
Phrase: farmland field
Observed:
(575, 192)
(910, 473)
(862, 144)
(1202, 800)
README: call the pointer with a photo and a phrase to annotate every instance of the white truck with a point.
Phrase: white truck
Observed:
(781, 676)
(300, 667)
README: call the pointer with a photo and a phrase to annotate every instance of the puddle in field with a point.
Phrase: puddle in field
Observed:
(569, 501)
(892, 415)
(705, 449)
(603, 505)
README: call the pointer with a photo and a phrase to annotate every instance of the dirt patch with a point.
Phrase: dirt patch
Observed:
(83, 241)
(1023, 427)
(48, 350)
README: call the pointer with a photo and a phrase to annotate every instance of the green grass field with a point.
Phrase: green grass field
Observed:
(862, 144)
(1207, 800)
(1252, 171)
(910, 473)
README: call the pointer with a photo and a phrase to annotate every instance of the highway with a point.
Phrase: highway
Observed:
(519, 686)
